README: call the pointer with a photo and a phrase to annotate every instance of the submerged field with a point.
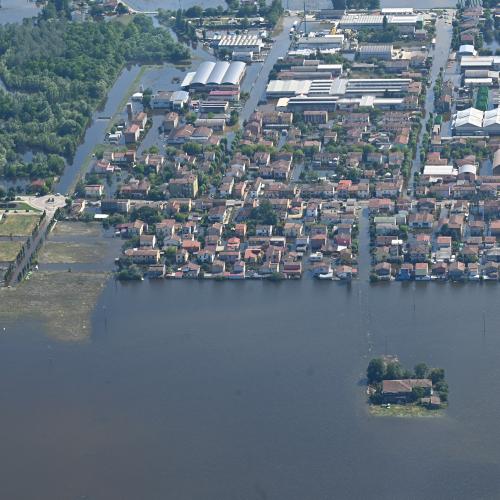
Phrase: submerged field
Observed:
(75, 264)
(63, 302)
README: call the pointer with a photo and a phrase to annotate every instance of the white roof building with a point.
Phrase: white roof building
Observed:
(491, 121)
(211, 73)
(397, 11)
(473, 121)
(360, 21)
(240, 42)
(467, 50)
(439, 170)
(468, 169)
(468, 120)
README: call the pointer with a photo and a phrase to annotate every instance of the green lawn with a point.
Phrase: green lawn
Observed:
(18, 224)
(9, 250)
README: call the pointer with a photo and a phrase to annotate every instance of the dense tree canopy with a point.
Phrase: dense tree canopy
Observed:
(56, 73)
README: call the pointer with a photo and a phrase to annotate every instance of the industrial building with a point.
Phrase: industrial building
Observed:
(473, 121)
(321, 42)
(169, 100)
(303, 103)
(240, 43)
(480, 63)
(398, 11)
(210, 75)
(381, 51)
(405, 24)
(353, 87)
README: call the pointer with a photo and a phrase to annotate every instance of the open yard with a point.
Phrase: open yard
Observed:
(19, 224)
(403, 411)
(9, 250)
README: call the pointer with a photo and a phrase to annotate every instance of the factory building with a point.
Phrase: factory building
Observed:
(341, 87)
(473, 121)
(240, 43)
(405, 24)
(210, 75)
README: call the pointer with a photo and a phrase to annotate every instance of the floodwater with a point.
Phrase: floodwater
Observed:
(95, 132)
(14, 11)
(204, 390)
(252, 390)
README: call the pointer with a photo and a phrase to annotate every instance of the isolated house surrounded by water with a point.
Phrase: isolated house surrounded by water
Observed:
(400, 391)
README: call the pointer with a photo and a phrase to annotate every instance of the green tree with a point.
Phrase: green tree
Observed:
(375, 371)
(421, 370)
(393, 371)
(436, 375)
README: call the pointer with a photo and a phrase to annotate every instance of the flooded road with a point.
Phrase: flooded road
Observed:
(440, 54)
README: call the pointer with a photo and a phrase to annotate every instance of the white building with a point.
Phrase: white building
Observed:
(472, 121)
(240, 42)
(405, 24)
(215, 74)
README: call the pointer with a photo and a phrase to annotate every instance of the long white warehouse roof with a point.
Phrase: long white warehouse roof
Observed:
(215, 73)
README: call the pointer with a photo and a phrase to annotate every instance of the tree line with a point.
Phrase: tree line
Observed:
(56, 73)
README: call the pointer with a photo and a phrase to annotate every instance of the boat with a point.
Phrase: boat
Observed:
(327, 276)
(316, 257)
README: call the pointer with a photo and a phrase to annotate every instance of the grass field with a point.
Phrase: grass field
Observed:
(18, 224)
(9, 250)
(407, 411)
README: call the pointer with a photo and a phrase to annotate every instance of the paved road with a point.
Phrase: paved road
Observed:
(444, 32)
(43, 203)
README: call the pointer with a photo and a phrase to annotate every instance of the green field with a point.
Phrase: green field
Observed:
(9, 250)
(18, 224)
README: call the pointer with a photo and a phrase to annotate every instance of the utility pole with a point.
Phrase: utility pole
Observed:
(305, 20)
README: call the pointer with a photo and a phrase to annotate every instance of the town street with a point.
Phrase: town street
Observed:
(440, 54)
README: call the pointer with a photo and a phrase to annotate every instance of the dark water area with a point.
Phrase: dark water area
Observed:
(14, 11)
(205, 390)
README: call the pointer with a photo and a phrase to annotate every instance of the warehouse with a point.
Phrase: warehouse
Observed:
(472, 121)
(354, 87)
(398, 11)
(210, 75)
(480, 63)
(240, 43)
(405, 24)
(321, 42)
(381, 51)
(303, 103)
